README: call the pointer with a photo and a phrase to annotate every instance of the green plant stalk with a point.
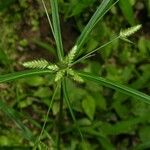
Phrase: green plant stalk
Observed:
(93, 51)
(100, 12)
(15, 116)
(46, 117)
(66, 98)
(48, 18)
(60, 117)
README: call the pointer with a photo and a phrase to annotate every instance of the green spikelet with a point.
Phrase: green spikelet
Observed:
(53, 67)
(36, 64)
(42, 146)
(59, 75)
(74, 75)
(127, 32)
(71, 55)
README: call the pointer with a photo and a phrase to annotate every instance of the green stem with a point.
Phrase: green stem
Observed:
(93, 51)
(46, 118)
(97, 16)
(66, 98)
(60, 117)
(48, 18)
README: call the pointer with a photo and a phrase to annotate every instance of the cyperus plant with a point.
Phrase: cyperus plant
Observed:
(63, 69)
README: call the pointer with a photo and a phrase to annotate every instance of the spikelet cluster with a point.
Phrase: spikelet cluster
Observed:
(60, 74)
(70, 72)
(127, 32)
(36, 64)
(53, 67)
(42, 145)
(71, 55)
(74, 75)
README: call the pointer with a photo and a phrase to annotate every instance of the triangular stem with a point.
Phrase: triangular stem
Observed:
(66, 98)
(60, 117)
(46, 118)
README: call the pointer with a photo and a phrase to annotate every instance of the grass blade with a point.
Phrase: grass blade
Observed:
(100, 12)
(22, 74)
(56, 27)
(14, 115)
(116, 86)
(93, 51)
(66, 98)
(45, 46)
(127, 11)
(48, 18)
(46, 117)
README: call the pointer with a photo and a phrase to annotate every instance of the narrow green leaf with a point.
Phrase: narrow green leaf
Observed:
(46, 117)
(14, 115)
(93, 51)
(127, 11)
(45, 46)
(57, 31)
(48, 18)
(22, 74)
(100, 12)
(116, 86)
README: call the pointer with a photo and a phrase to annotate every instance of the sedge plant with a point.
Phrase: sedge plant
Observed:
(63, 69)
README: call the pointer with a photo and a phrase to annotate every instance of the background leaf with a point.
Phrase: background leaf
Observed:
(127, 11)
(5, 4)
(88, 105)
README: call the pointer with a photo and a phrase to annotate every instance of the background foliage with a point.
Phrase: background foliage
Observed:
(108, 119)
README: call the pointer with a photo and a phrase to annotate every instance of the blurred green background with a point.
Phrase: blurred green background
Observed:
(109, 120)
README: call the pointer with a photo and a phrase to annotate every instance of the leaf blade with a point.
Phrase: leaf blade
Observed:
(121, 88)
(14, 115)
(127, 11)
(88, 105)
(57, 30)
(22, 74)
(100, 12)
